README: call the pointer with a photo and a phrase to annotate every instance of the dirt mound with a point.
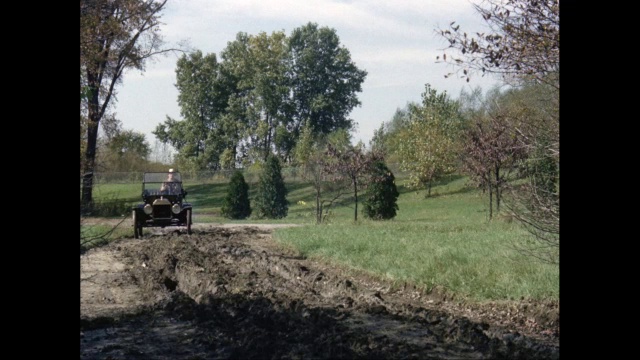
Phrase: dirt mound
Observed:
(231, 292)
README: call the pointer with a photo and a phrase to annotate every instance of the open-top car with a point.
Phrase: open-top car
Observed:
(162, 203)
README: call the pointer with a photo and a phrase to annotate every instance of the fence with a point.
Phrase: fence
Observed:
(251, 175)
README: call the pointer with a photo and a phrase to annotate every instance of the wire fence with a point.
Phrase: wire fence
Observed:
(251, 175)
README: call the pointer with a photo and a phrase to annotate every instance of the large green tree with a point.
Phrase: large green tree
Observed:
(268, 87)
(259, 64)
(324, 80)
(200, 137)
(115, 35)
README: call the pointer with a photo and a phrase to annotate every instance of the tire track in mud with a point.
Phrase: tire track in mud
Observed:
(232, 293)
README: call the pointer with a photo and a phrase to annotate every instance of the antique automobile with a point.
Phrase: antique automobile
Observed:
(162, 203)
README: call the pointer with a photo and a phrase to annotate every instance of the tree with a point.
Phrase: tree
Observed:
(258, 98)
(535, 203)
(523, 46)
(199, 137)
(524, 43)
(524, 178)
(115, 35)
(161, 153)
(473, 103)
(236, 204)
(83, 141)
(324, 80)
(429, 144)
(125, 151)
(310, 153)
(271, 199)
(353, 164)
(304, 148)
(258, 65)
(227, 160)
(385, 140)
(382, 194)
(491, 151)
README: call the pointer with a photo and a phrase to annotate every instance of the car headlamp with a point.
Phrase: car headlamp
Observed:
(148, 209)
(175, 208)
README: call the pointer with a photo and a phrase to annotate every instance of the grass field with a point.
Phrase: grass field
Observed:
(445, 241)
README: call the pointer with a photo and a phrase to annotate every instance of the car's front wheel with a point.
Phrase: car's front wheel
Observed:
(189, 222)
(137, 227)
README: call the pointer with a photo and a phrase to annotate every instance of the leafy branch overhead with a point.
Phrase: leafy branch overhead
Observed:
(523, 42)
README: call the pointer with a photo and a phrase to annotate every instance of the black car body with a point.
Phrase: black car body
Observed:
(162, 207)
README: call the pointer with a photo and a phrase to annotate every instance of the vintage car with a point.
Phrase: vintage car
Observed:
(162, 203)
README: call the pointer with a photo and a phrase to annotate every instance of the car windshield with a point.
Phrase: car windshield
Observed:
(154, 182)
(159, 177)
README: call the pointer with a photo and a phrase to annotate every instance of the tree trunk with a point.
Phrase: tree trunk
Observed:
(318, 207)
(490, 200)
(497, 189)
(90, 154)
(355, 191)
(267, 145)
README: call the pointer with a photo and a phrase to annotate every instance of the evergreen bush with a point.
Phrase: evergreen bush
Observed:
(271, 198)
(382, 194)
(236, 204)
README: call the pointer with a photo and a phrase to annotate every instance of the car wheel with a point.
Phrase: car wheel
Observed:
(136, 234)
(189, 222)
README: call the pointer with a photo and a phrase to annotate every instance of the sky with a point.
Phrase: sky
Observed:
(394, 41)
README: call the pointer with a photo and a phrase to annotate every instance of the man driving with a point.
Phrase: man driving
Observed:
(170, 185)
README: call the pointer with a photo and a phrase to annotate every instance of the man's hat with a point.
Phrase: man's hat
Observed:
(170, 170)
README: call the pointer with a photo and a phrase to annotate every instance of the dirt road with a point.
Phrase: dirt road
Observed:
(233, 293)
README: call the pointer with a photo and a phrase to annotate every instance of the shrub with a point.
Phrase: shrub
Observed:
(236, 204)
(381, 195)
(110, 206)
(271, 198)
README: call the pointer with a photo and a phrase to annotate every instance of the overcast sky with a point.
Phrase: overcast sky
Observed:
(394, 41)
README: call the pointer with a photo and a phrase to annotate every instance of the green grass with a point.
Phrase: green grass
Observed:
(96, 235)
(125, 192)
(471, 261)
(445, 241)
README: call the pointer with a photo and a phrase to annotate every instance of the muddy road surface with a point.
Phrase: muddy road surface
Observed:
(234, 293)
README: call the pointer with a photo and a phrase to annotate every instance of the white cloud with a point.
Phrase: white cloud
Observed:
(416, 19)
